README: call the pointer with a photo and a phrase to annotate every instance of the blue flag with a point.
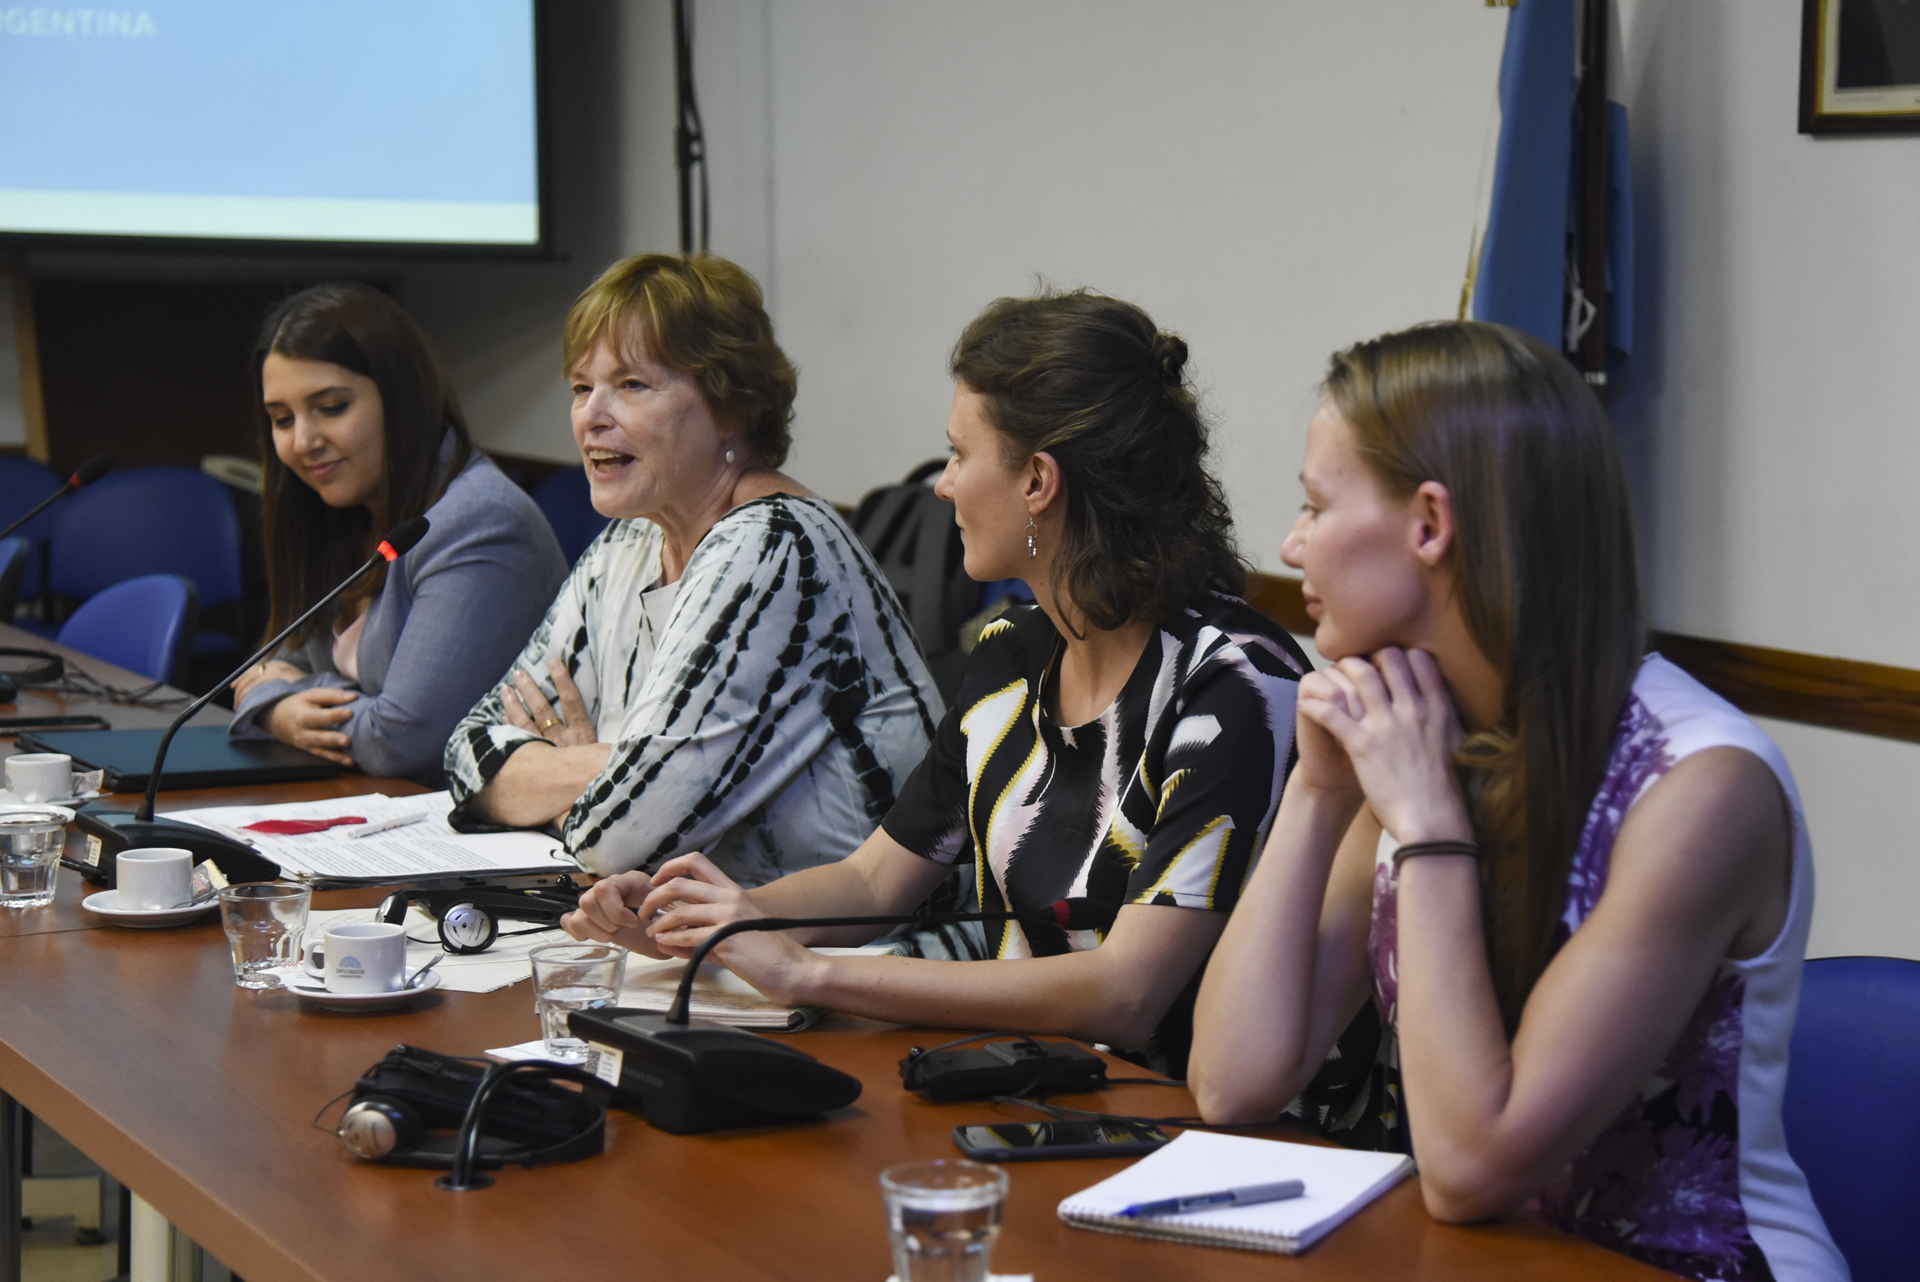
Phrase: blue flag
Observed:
(1523, 273)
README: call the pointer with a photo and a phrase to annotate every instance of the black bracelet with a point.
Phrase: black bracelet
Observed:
(1414, 849)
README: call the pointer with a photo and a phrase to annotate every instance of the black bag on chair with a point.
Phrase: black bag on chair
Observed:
(911, 532)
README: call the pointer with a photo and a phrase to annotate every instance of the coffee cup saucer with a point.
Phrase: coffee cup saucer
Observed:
(9, 798)
(106, 903)
(297, 981)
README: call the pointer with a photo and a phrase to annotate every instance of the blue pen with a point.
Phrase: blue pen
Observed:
(1248, 1196)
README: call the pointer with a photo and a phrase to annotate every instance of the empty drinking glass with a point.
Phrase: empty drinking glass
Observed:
(571, 977)
(943, 1217)
(31, 839)
(264, 922)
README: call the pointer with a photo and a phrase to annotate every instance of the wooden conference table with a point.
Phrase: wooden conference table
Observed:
(138, 1048)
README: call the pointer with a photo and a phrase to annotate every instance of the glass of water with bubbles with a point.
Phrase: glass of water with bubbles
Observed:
(571, 977)
(943, 1217)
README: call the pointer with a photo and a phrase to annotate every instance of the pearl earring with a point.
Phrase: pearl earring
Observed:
(729, 456)
(1033, 549)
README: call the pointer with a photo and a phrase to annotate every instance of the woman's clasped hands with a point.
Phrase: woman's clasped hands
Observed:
(1386, 724)
(669, 913)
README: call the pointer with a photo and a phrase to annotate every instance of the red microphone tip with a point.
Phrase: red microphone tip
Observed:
(90, 471)
(386, 550)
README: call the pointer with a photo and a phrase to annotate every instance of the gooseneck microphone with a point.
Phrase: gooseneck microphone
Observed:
(86, 474)
(117, 830)
(397, 542)
(1067, 914)
(692, 1075)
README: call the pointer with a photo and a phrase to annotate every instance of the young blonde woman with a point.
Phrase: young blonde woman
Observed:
(1576, 883)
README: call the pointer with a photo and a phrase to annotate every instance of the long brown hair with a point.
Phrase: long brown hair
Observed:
(310, 546)
(1092, 381)
(1545, 574)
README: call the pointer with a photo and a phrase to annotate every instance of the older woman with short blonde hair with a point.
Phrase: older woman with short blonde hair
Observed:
(726, 669)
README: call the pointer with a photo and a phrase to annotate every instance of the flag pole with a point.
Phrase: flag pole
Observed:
(1591, 258)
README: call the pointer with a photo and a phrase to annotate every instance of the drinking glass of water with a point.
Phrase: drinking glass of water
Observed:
(943, 1217)
(31, 839)
(264, 921)
(571, 977)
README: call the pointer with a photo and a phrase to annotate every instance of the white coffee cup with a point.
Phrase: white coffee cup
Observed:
(361, 957)
(154, 877)
(34, 777)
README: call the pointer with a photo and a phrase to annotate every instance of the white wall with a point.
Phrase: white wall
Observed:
(611, 168)
(1774, 419)
(1777, 408)
(1269, 181)
(616, 194)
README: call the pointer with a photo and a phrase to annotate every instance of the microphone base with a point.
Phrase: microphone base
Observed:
(704, 1076)
(105, 833)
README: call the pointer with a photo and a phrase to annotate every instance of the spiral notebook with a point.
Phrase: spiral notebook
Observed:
(1339, 1182)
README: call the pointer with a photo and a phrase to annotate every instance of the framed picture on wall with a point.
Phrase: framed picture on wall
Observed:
(1860, 66)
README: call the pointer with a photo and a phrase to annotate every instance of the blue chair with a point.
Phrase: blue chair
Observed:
(567, 500)
(23, 483)
(152, 520)
(145, 625)
(16, 556)
(1852, 1110)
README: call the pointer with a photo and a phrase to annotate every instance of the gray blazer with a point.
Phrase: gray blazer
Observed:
(453, 614)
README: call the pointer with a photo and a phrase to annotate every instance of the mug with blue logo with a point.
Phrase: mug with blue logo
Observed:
(360, 957)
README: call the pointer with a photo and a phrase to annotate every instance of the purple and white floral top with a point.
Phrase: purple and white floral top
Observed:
(1694, 1176)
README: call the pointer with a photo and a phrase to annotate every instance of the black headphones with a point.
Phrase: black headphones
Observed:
(46, 666)
(412, 1093)
(470, 910)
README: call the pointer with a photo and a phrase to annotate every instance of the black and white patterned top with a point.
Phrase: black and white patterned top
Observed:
(1164, 798)
(765, 717)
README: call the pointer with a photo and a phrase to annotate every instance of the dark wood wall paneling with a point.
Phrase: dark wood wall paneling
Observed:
(150, 372)
(1841, 694)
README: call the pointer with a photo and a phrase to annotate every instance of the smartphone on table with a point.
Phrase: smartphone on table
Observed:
(1042, 1141)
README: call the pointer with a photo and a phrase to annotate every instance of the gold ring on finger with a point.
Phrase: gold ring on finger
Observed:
(549, 724)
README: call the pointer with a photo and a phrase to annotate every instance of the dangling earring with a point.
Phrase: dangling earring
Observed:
(729, 456)
(1033, 549)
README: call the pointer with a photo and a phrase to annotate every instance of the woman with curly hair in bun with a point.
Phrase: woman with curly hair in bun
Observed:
(1124, 739)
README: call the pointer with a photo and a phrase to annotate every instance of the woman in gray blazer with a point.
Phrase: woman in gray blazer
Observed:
(361, 431)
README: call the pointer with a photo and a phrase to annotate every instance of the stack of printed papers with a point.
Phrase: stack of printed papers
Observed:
(428, 848)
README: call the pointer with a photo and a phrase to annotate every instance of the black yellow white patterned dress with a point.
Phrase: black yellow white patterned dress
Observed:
(765, 717)
(1165, 798)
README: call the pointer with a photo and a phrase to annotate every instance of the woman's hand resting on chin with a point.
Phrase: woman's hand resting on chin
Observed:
(1392, 718)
